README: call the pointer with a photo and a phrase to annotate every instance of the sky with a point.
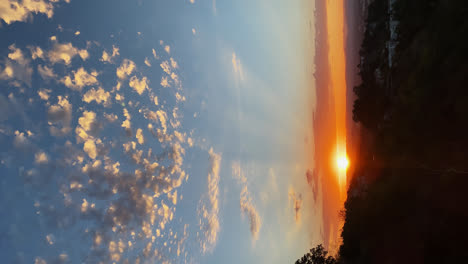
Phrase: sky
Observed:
(158, 132)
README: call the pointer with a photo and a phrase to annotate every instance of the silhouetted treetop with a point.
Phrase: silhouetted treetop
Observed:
(317, 255)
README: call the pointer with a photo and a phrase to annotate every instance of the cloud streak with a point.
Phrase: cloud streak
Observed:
(209, 210)
(246, 205)
(295, 200)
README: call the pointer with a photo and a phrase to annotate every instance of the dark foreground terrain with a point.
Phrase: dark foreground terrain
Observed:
(408, 198)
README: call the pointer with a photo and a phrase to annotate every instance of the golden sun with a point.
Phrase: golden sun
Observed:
(342, 162)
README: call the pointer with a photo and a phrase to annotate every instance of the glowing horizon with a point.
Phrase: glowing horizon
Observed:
(337, 60)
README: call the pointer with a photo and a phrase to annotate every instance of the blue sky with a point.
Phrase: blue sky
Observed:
(156, 131)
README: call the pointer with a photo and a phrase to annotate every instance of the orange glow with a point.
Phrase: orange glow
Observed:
(337, 61)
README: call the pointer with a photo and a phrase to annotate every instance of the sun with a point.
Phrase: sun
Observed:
(342, 162)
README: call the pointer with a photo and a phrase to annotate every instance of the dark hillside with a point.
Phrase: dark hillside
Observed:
(407, 202)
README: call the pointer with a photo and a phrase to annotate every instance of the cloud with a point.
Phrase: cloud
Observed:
(50, 239)
(138, 85)
(139, 136)
(132, 201)
(312, 177)
(209, 210)
(126, 123)
(60, 113)
(147, 62)
(36, 52)
(249, 209)
(90, 148)
(168, 67)
(164, 82)
(17, 67)
(125, 69)
(174, 64)
(12, 10)
(44, 94)
(80, 79)
(88, 126)
(106, 57)
(39, 260)
(237, 67)
(46, 72)
(157, 116)
(16, 55)
(21, 140)
(296, 201)
(64, 53)
(155, 55)
(126, 191)
(99, 95)
(111, 117)
(86, 131)
(41, 158)
(246, 204)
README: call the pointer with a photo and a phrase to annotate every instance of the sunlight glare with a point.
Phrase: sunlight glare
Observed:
(342, 162)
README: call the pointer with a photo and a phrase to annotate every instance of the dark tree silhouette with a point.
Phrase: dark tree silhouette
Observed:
(317, 255)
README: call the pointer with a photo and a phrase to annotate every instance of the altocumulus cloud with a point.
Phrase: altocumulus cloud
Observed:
(16, 67)
(126, 188)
